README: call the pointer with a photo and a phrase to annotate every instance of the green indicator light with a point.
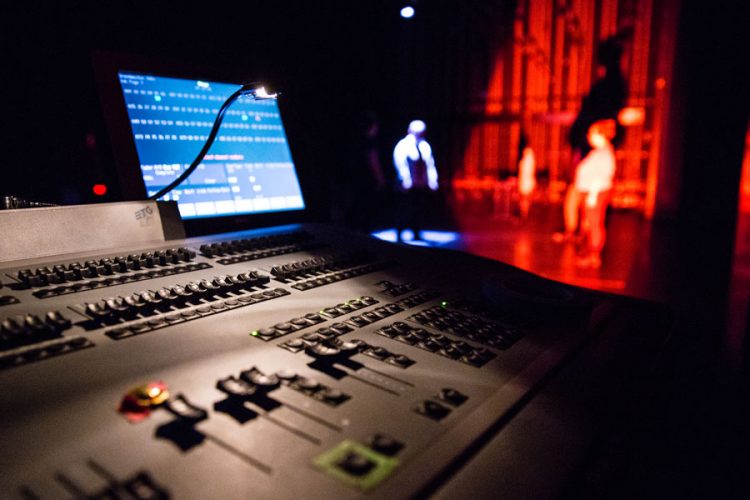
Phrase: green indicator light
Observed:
(444, 304)
(382, 466)
(254, 333)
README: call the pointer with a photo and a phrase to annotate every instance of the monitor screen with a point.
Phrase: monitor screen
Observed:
(248, 169)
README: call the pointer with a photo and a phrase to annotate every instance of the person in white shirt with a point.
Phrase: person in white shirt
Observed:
(526, 176)
(417, 176)
(593, 183)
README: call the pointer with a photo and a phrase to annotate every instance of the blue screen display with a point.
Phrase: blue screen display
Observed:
(249, 167)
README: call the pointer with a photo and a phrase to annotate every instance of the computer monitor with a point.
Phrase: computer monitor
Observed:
(159, 118)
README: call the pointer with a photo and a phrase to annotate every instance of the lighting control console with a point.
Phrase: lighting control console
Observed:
(291, 362)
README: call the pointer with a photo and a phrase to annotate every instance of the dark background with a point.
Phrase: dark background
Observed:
(334, 61)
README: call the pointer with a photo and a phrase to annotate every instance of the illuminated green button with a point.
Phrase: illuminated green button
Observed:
(356, 465)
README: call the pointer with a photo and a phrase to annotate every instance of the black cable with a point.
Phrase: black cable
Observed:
(246, 89)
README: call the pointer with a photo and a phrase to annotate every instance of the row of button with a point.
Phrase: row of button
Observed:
(76, 271)
(207, 309)
(30, 328)
(270, 252)
(359, 321)
(356, 321)
(385, 311)
(340, 328)
(82, 286)
(254, 382)
(250, 382)
(312, 318)
(319, 265)
(115, 309)
(396, 290)
(470, 326)
(300, 268)
(341, 275)
(42, 350)
(438, 410)
(325, 346)
(222, 248)
(418, 298)
(477, 308)
(313, 388)
(437, 343)
(321, 344)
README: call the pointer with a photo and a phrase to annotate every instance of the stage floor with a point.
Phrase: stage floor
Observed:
(528, 244)
(626, 261)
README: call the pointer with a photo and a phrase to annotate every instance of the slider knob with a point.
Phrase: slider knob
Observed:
(148, 259)
(235, 387)
(278, 271)
(244, 280)
(118, 306)
(182, 293)
(195, 289)
(351, 347)
(223, 282)
(261, 279)
(58, 320)
(11, 327)
(182, 408)
(208, 286)
(261, 381)
(36, 326)
(97, 310)
(134, 302)
(151, 300)
(166, 295)
(323, 351)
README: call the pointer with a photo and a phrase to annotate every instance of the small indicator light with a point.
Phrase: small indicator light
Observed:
(99, 189)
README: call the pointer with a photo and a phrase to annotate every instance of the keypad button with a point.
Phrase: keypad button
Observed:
(385, 444)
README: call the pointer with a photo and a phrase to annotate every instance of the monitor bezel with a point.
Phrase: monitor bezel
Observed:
(106, 67)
